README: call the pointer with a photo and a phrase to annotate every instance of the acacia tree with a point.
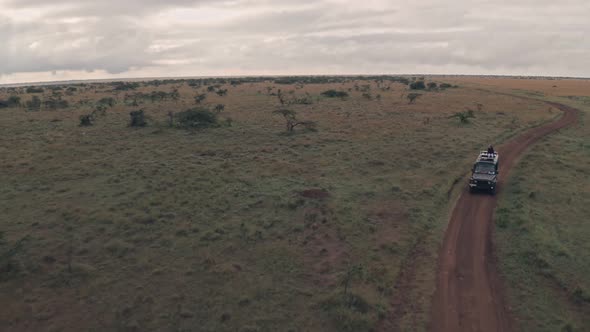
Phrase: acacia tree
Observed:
(291, 121)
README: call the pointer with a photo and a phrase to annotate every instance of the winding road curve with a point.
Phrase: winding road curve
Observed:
(468, 293)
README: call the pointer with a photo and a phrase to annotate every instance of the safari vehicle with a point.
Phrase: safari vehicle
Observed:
(484, 173)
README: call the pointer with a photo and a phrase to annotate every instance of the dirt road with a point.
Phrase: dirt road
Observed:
(469, 295)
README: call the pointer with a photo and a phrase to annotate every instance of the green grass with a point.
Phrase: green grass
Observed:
(162, 228)
(542, 233)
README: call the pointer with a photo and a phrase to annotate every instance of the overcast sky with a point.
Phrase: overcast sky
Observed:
(87, 39)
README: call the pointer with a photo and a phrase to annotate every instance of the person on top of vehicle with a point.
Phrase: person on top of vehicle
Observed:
(491, 150)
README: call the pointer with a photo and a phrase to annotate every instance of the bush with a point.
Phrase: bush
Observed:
(196, 118)
(12, 101)
(432, 86)
(335, 94)
(463, 116)
(55, 103)
(418, 85)
(137, 119)
(445, 85)
(34, 89)
(200, 98)
(86, 120)
(107, 101)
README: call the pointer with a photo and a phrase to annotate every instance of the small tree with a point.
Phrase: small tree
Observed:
(221, 92)
(352, 272)
(200, 98)
(137, 119)
(291, 121)
(432, 86)
(412, 97)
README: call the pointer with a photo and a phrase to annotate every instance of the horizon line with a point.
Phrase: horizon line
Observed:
(153, 78)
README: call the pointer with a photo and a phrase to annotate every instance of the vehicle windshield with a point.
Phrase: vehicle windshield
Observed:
(485, 168)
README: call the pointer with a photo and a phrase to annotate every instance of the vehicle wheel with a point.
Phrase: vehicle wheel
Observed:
(493, 191)
(471, 190)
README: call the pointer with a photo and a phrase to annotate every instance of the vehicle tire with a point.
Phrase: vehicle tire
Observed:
(493, 191)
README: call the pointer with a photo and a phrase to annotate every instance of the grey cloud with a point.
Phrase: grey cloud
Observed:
(335, 36)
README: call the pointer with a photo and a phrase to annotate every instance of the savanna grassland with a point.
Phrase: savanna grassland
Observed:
(542, 226)
(240, 225)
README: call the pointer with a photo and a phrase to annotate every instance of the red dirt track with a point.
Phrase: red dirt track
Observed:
(468, 296)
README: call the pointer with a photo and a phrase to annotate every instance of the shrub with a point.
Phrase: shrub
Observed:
(196, 118)
(463, 116)
(432, 86)
(200, 98)
(107, 101)
(55, 103)
(445, 85)
(418, 85)
(86, 120)
(12, 101)
(34, 89)
(219, 108)
(335, 94)
(137, 119)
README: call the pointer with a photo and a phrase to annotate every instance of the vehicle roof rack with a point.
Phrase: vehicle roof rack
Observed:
(485, 156)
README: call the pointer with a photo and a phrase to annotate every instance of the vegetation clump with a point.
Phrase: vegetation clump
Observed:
(12, 101)
(197, 118)
(137, 119)
(418, 85)
(464, 116)
(335, 94)
(34, 89)
(86, 120)
(55, 103)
